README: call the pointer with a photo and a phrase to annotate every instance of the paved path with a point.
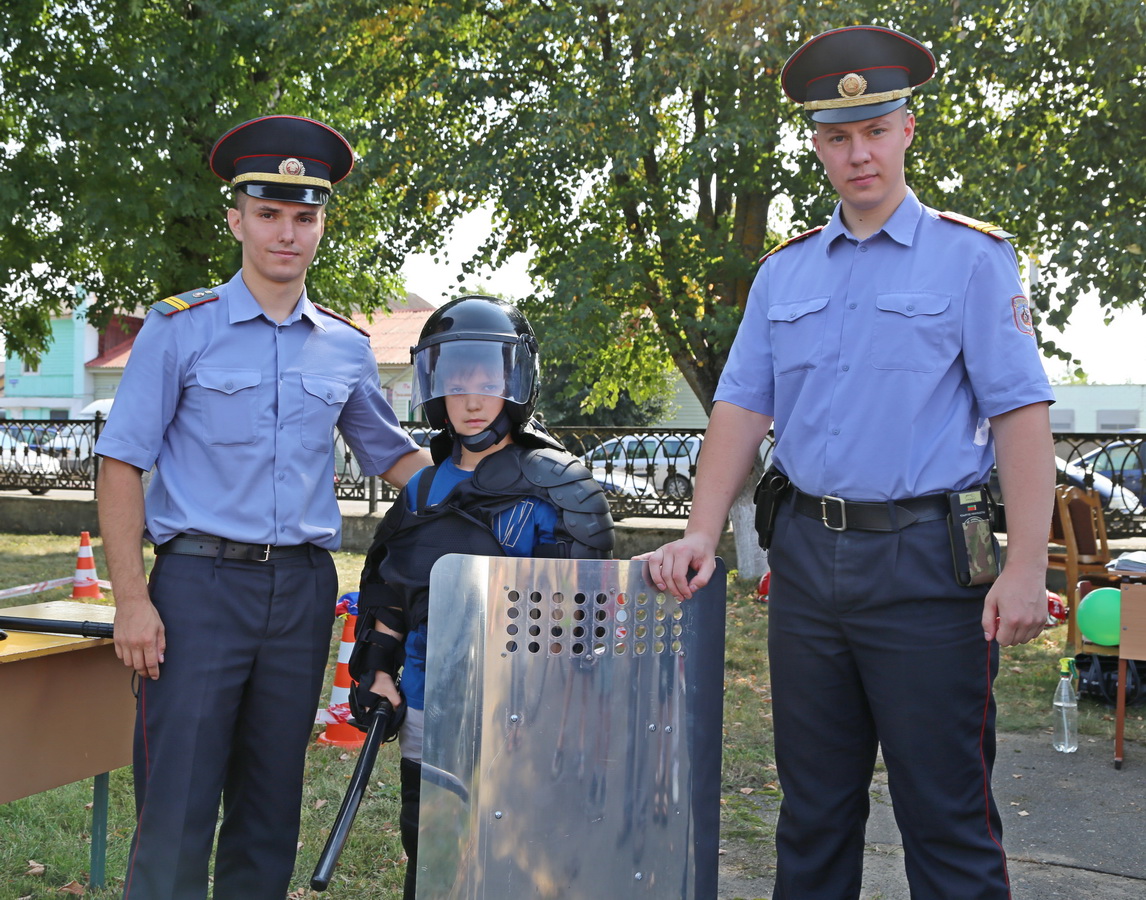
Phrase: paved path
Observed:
(1073, 827)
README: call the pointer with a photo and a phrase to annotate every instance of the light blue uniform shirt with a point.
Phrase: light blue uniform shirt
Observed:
(881, 360)
(237, 413)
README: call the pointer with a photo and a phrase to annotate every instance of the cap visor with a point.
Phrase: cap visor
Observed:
(287, 193)
(856, 113)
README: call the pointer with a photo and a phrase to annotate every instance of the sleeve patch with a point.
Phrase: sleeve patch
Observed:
(993, 230)
(179, 302)
(790, 241)
(1021, 310)
(342, 318)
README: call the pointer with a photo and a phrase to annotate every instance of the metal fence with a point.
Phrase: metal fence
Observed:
(645, 473)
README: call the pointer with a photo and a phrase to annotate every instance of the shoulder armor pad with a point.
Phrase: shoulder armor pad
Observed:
(563, 480)
(790, 241)
(532, 434)
(575, 492)
(179, 302)
(342, 318)
(993, 230)
(570, 484)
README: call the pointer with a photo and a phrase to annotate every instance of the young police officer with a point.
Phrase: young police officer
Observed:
(233, 395)
(893, 351)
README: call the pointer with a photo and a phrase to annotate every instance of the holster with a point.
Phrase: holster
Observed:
(770, 492)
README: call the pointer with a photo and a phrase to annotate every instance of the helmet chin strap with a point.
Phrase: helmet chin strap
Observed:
(483, 440)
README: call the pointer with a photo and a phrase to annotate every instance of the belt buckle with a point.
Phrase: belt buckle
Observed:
(265, 549)
(824, 507)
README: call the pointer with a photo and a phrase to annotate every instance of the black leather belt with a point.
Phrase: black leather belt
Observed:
(206, 545)
(839, 514)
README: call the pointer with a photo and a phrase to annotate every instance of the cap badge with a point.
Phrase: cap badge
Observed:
(852, 85)
(291, 166)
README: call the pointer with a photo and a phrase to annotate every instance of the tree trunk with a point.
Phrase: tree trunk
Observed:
(751, 561)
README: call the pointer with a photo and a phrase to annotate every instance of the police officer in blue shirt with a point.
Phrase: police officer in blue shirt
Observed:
(233, 395)
(893, 352)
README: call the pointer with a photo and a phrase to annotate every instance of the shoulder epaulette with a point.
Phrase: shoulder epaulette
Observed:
(341, 318)
(179, 302)
(789, 242)
(993, 230)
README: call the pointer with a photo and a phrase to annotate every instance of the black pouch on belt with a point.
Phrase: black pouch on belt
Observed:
(973, 547)
(770, 492)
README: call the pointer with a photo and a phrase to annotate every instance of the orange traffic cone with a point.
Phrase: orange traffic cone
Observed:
(339, 732)
(85, 584)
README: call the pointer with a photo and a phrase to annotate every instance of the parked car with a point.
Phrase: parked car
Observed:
(32, 435)
(1115, 498)
(646, 464)
(1122, 462)
(73, 443)
(74, 447)
(26, 465)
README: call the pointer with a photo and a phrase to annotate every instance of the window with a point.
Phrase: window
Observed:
(608, 450)
(1116, 419)
(1061, 420)
(28, 367)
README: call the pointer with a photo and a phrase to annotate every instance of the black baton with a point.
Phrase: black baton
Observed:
(58, 626)
(349, 809)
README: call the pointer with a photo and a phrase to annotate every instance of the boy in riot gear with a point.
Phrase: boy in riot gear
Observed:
(500, 486)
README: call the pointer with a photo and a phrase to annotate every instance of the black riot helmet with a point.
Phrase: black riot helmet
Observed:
(477, 345)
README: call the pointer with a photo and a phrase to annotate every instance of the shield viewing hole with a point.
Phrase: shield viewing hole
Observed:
(592, 625)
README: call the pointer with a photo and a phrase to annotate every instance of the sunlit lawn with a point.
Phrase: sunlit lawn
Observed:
(45, 839)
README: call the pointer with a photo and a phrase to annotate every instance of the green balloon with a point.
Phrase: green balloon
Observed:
(1100, 616)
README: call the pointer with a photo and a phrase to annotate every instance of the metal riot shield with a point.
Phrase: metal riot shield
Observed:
(573, 733)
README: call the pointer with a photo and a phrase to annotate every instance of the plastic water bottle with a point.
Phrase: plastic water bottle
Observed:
(1065, 709)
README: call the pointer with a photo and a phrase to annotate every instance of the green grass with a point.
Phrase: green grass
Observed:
(53, 828)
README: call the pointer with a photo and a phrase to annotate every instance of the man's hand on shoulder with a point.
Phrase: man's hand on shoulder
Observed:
(669, 565)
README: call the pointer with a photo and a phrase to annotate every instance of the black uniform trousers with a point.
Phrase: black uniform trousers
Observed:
(872, 644)
(229, 717)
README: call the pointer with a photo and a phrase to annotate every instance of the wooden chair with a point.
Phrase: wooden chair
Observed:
(1056, 554)
(1077, 525)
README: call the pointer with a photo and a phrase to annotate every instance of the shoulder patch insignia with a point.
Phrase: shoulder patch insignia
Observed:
(789, 242)
(993, 230)
(342, 318)
(179, 302)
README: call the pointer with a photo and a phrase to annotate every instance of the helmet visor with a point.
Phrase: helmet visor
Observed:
(494, 368)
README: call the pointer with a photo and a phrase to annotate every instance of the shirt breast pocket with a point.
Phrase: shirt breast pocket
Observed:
(797, 333)
(322, 400)
(230, 404)
(910, 330)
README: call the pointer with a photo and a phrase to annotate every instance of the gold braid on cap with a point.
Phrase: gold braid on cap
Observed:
(281, 179)
(862, 100)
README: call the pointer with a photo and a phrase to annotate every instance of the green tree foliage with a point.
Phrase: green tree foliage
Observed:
(644, 152)
(108, 109)
(563, 397)
(633, 148)
(1041, 114)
